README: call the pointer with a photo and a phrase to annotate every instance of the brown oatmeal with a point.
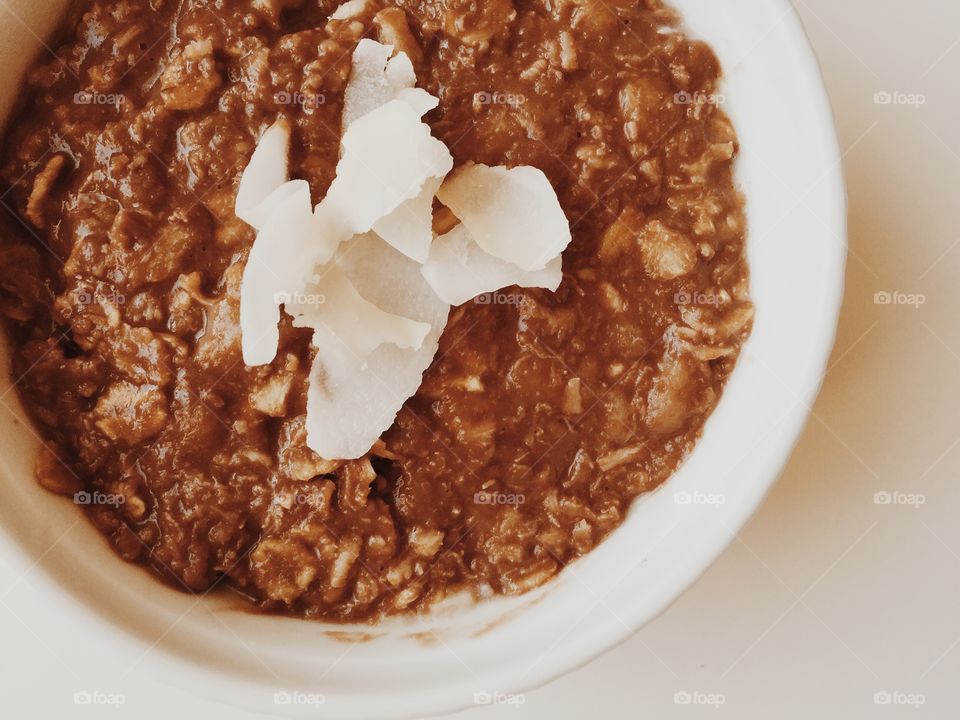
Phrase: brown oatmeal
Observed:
(543, 416)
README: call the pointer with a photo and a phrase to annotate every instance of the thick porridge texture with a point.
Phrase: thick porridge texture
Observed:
(543, 415)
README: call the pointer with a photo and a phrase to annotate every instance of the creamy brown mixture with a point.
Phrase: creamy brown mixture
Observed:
(543, 416)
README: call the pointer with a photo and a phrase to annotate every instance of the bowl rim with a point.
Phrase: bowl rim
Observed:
(707, 549)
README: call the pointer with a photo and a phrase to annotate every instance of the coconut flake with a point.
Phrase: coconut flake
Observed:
(353, 400)
(513, 214)
(266, 171)
(398, 70)
(388, 157)
(334, 304)
(274, 200)
(419, 99)
(273, 268)
(293, 240)
(458, 269)
(376, 79)
(409, 228)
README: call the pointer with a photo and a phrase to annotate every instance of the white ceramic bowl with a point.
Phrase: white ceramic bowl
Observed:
(790, 171)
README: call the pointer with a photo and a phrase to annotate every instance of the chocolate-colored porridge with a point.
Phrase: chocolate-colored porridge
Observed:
(544, 414)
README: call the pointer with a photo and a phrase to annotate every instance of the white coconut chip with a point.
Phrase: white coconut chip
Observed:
(398, 70)
(352, 400)
(409, 228)
(419, 99)
(266, 171)
(458, 269)
(274, 268)
(388, 157)
(376, 79)
(513, 214)
(334, 304)
(273, 201)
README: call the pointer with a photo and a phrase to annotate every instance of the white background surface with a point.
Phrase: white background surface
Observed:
(828, 597)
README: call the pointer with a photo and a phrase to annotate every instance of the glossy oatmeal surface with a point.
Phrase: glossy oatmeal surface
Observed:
(543, 415)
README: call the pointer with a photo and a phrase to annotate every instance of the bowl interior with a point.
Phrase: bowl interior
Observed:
(789, 171)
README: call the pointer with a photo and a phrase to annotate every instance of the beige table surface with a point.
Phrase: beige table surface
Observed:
(830, 604)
